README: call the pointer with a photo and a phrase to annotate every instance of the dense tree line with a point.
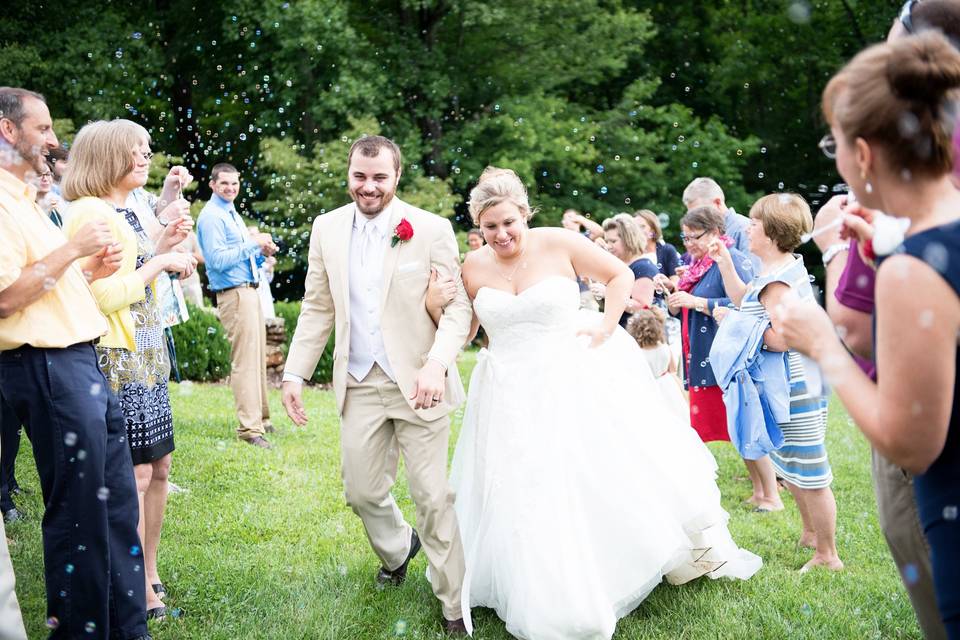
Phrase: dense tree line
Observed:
(601, 105)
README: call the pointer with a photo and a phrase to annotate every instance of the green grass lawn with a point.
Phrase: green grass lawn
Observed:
(263, 546)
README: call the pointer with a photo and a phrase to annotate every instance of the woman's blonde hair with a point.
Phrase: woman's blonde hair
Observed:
(653, 221)
(785, 218)
(102, 154)
(629, 232)
(495, 187)
(647, 327)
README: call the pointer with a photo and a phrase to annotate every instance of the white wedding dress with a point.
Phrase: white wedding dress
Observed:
(578, 489)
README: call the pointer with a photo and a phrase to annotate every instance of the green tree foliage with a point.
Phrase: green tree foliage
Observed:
(761, 65)
(599, 105)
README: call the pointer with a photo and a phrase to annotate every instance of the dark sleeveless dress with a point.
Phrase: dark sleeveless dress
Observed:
(938, 490)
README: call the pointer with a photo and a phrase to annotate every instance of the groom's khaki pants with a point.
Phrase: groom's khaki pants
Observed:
(376, 419)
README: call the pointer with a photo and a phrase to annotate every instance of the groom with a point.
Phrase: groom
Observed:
(394, 373)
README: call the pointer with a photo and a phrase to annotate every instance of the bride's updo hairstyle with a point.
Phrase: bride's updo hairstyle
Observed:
(903, 96)
(496, 186)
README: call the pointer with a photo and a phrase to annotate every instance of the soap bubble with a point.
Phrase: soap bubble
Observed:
(937, 256)
(911, 574)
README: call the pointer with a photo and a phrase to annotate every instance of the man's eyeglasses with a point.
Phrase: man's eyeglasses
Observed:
(828, 144)
(687, 237)
(906, 15)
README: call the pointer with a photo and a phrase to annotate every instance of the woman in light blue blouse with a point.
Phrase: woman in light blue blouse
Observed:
(777, 222)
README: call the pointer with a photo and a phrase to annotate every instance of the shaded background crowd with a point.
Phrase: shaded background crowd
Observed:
(725, 317)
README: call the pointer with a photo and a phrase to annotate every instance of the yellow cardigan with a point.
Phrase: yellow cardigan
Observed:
(117, 292)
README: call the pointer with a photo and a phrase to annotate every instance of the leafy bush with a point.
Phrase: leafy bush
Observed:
(290, 312)
(203, 351)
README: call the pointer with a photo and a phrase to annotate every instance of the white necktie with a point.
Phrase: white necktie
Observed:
(368, 238)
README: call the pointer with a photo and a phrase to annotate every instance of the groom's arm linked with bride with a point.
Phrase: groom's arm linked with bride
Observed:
(413, 343)
(394, 372)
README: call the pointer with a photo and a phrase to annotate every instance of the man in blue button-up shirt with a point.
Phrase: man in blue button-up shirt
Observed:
(231, 253)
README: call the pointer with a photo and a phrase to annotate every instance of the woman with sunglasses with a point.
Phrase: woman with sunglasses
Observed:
(849, 293)
(911, 414)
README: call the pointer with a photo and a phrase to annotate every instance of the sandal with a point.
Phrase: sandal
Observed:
(157, 613)
(159, 589)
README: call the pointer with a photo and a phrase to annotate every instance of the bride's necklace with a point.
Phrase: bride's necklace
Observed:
(521, 264)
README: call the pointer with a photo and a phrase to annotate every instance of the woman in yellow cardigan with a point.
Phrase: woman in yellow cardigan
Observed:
(107, 161)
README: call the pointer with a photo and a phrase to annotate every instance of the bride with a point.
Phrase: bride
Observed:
(578, 490)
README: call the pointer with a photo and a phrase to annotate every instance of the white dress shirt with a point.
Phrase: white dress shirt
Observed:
(368, 245)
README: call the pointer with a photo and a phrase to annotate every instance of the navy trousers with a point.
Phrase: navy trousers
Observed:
(9, 446)
(93, 563)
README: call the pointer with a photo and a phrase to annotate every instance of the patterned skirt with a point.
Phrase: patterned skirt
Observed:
(139, 378)
(802, 460)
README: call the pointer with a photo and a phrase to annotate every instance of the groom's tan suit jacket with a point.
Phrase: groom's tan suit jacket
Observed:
(409, 335)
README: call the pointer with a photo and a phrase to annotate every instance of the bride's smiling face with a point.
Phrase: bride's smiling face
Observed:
(503, 227)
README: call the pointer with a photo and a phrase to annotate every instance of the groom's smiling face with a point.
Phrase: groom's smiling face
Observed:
(373, 181)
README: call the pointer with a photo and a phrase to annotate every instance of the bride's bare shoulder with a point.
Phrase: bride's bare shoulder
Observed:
(476, 264)
(554, 237)
(478, 259)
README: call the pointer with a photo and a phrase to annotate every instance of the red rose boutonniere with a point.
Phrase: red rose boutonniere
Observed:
(402, 232)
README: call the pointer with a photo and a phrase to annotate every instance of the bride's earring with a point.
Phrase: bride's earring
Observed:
(867, 186)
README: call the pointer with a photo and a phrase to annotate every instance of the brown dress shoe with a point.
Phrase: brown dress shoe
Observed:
(455, 627)
(258, 441)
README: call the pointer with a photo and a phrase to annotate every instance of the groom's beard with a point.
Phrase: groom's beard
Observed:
(374, 207)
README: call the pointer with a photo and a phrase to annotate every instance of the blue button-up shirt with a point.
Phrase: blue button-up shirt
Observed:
(736, 228)
(226, 249)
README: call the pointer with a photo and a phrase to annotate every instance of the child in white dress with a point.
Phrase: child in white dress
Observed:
(648, 328)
